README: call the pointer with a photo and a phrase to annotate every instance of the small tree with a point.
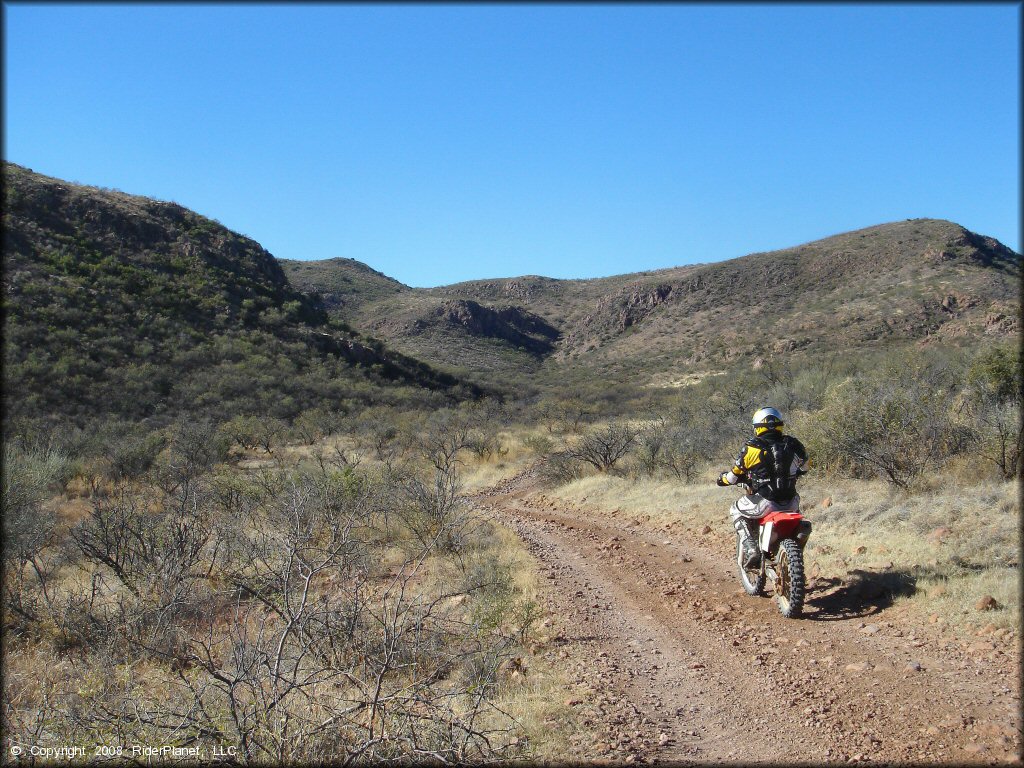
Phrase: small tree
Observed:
(603, 448)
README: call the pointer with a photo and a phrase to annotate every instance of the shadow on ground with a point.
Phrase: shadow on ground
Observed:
(860, 594)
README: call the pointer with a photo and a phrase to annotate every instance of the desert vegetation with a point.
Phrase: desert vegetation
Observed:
(195, 588)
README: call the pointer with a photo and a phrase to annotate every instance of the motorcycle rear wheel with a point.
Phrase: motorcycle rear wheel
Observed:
(751, 579)
(790, 586)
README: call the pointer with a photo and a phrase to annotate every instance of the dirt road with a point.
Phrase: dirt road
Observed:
(678, 664)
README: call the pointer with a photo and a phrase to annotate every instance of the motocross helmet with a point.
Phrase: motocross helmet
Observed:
(765, 419)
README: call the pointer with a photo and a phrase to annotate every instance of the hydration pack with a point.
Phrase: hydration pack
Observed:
(774, 478)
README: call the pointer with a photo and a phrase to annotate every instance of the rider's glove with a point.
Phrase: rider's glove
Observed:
(721, 480)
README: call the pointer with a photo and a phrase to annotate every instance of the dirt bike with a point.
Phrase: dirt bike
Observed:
(782, 535)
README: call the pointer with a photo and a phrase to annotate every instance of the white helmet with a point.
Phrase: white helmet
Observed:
(765, 419)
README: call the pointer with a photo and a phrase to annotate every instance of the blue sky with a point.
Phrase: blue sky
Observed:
(440, 143)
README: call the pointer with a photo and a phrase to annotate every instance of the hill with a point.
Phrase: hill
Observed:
(914, 282)
(343, 285)
(123, 305)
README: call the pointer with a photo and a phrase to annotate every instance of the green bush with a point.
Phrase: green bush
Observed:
(897, 424)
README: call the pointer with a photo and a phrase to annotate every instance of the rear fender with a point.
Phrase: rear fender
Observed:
(780, 525)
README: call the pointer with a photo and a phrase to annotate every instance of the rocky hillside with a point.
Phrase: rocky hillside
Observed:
(920, 281)
(343, 285)
(116, 304)
(126, 304)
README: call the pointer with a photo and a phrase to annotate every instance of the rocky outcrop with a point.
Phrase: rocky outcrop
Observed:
(628, 307)
(511, 324)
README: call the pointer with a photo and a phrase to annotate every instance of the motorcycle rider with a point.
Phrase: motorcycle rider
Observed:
(769, 463)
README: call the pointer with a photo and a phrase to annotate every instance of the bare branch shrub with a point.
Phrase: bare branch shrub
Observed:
(566, 415)
(538, 444)
(559, 468)
(341, 615)
(671, 449)
(602, 448)
(485, 445)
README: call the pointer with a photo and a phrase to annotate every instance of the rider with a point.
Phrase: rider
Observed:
(769, 464)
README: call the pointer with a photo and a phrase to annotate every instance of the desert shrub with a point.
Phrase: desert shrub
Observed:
(301, 616)
(194, 448)
(560, 468)
(999, 433)
(315, 424)
(566, 415)
(128, 450)
(383, 433)
(242, 430)
(485, 445)
(993, 404)
(793, 383)
(153, 546)
(29, 478)
(433, 509)
(997, 372)
(540, 445)
(604, 447)
(673, 449)
(897, 424)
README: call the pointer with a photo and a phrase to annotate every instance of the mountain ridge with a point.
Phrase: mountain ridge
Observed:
(894, 283)
(165, 272)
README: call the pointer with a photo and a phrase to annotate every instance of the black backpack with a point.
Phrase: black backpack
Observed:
(773, 478)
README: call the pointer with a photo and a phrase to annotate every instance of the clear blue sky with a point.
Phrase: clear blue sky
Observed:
(441, 143)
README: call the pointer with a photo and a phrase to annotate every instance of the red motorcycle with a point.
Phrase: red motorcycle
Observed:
(782, 536)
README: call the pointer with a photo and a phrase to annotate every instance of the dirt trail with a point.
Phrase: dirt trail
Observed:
(680, 665)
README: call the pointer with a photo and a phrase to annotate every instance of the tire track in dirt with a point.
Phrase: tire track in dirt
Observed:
(683, 665)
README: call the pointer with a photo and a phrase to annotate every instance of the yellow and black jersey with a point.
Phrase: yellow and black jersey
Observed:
(770, 464)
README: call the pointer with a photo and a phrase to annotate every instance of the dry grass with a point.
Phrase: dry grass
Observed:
(952, 545)
(536, 686)
(479, 473)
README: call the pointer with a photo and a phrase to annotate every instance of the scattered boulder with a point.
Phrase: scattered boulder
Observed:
(986, 603)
